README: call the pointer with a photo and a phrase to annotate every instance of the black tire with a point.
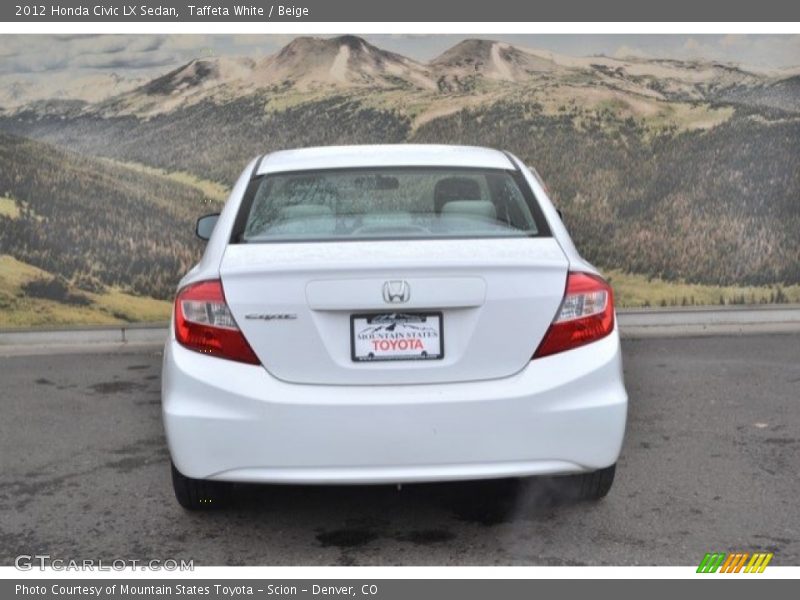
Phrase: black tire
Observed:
(200, 494)
(595, 485)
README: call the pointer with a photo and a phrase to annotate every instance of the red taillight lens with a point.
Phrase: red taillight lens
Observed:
(204, 323)
(586, 315)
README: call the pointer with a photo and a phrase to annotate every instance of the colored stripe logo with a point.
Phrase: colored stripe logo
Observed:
(734, 562)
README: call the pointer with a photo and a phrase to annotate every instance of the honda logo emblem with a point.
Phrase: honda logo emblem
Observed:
(396, 292)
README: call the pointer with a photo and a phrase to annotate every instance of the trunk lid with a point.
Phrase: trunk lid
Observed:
(295, 303)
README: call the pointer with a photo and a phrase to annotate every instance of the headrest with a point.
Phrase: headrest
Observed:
(455, 188)
(305, 219)
(481, 209)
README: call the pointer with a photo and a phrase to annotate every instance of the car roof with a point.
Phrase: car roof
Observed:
(383, 155)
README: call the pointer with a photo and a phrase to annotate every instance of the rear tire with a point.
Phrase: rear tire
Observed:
(594, 485)
(200, 494)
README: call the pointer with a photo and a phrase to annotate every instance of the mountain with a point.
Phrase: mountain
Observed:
(201, 73)
(220, 78)
(309, 64)
(471, 60)
(672, 169)
(348, 60)
(472, 69)
(306, 64)
(668, 79)
(94, 222)
(211, 114)
(487, 60)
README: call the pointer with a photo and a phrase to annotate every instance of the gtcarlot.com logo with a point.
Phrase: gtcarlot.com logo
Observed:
(28, 562)
(734, 562)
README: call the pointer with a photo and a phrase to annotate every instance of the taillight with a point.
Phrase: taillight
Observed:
(204, 323)
(586, 315)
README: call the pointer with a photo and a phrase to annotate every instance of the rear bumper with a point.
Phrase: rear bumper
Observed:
(228, 421)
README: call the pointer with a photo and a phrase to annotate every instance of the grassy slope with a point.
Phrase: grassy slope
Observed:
(632, 291)
(211, 189)
(132, 192)
(603, 112)
(138, 236)
(111, 307)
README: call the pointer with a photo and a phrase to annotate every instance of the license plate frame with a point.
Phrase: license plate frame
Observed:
(409, 320)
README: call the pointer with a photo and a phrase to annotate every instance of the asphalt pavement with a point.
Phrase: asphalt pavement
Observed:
(711, 462)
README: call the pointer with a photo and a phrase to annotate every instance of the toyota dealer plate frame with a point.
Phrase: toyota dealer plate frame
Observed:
(392, 336)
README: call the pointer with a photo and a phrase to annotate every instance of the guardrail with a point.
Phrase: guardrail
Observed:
(134, 333)
(633, 323)
(709, 320)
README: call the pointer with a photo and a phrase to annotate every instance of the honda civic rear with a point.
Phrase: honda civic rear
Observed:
(390, 314)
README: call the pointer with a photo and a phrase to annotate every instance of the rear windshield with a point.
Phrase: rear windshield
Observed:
(401, 203)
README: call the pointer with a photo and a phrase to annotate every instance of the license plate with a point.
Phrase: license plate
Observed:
(396, 336)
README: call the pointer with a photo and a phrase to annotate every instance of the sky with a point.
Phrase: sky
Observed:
(149, 55)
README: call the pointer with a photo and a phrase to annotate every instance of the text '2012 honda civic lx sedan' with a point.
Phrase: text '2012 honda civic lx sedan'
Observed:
(390, 314)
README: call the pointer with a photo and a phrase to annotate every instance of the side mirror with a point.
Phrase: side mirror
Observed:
(205, 226)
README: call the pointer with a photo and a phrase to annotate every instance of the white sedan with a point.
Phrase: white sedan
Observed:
(390, 314)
